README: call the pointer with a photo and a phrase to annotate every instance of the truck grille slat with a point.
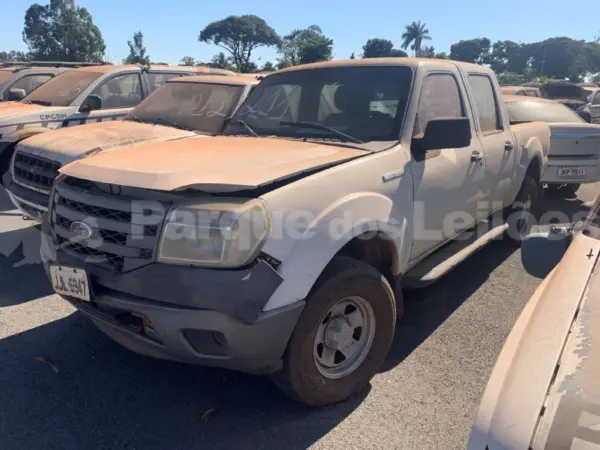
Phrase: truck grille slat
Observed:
(34, 170)
(113, 243)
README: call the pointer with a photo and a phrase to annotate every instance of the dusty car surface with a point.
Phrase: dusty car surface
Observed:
(82, 95)
(184, 107)
(544, 391)
(591, 111)
(521, 90)
(283, 246)
(19, 79)
(571, 95)
(574, 156)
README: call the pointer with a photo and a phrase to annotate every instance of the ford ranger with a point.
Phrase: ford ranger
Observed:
(283, 247)
(83, 95)
(184, 107)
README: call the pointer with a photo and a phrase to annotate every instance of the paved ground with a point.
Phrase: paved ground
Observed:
(103, 396)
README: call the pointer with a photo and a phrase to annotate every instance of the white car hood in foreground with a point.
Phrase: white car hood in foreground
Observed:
(544, 391)
(68, 144)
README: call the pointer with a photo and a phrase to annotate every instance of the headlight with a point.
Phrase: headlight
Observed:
(215, 233)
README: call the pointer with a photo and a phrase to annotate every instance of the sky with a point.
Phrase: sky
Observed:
(171, 28)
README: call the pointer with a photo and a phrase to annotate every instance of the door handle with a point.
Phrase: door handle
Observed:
(476, 156)
(508, 146)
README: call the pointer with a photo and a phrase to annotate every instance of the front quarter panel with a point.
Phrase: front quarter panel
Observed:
(313, 218)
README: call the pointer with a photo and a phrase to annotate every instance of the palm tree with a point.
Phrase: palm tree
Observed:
(414, 36)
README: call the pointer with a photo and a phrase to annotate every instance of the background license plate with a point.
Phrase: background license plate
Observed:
(571, 172)
(70, 282)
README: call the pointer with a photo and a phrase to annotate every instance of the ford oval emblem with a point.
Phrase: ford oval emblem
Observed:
(81, 229)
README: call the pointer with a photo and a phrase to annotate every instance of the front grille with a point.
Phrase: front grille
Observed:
(112, 244)
(35, 171)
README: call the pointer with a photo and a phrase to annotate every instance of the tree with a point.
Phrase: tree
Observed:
(240, 36)
(187, 61)
(559, 57)
(306, 46)
(473, 50)
(13, 55)
(268, 67)
(414, 36)
(441, 55)
(427, 52)
(352, 56)
(220, 61)
(62, 31)
(381, 48)
(508, 56)
(137, 50)
(378, 48)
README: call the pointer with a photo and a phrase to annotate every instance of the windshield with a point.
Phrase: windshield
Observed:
(366, 103)
(542, 111)
(570, 91)
(62, 89)
(196, 106)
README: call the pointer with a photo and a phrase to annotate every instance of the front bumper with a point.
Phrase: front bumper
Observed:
(192, 315)
(29, 202)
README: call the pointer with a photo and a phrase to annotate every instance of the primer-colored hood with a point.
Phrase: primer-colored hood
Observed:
(10, 109)
(547, 374)
(67, 144)
(219, 164)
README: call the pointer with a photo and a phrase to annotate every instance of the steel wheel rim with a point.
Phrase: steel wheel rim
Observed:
(344, 337)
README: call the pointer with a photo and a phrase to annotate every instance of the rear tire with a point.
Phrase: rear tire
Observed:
(315, 372)
(563, 190)
(523, 213)
(570, 190)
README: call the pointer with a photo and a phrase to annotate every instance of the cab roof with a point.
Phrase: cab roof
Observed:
(108, 68)
(242, 80)
(394, 61)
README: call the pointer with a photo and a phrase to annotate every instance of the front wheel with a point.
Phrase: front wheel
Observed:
(342, 336)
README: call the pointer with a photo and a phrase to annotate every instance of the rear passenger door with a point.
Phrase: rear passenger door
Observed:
(448, 183)
(119, 94)
(496, 138)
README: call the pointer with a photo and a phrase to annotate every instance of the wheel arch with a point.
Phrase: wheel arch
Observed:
(378, 240)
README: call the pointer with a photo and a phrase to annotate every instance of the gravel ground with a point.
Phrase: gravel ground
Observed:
(64, 385)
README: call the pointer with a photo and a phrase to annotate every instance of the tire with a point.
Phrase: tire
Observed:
(523, 213)
(302, 377)
(570, 190)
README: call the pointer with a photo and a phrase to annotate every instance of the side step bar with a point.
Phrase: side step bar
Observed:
(448, 257)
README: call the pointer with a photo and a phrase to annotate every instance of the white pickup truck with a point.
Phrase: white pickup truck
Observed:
(283, 247)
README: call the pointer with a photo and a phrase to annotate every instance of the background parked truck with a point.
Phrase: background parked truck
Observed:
(283, 247)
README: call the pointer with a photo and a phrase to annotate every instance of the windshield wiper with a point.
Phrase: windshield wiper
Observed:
(174, 124)
(320, 126)
(246, 126)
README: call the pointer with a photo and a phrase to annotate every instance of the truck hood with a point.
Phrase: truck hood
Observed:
(219, 164)
(67, 144)
(532, 372)
(10, 109)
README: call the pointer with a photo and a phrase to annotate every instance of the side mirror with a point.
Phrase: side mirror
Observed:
(450, 132)
(541, 252)
(15, 95)
(92, 103)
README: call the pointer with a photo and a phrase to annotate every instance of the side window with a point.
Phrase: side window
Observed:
(486, 104)
(440, 97)
(30, 82)
(521, 93)
(156, 80)
(122, 91)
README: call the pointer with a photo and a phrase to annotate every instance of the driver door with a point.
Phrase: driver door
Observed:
(448, 183)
